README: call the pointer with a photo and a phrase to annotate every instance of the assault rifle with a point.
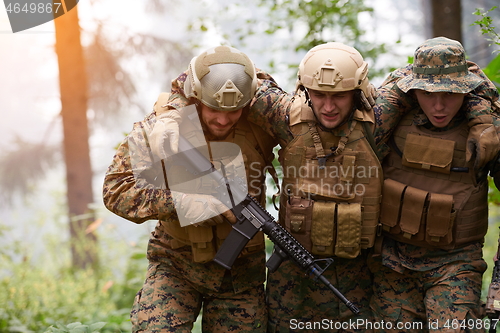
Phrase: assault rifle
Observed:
(493, 299)
(251, 218)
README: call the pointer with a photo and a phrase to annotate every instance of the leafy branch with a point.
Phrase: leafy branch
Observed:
(486, 25)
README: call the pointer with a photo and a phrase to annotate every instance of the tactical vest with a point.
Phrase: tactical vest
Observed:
(331, 199)
(430, 196)
(256, 147)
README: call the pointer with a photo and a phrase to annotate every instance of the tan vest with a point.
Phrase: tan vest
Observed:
(430, 197)
(256, 147)
(332, 209)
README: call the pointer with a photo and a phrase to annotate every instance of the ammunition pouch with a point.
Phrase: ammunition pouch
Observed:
(428, 153)
(415, 216)
(325, 228)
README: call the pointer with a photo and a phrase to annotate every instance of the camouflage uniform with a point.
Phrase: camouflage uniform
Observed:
(290, 303)
(296, 301)
(178, 284)
(425, 282)
(176, 287)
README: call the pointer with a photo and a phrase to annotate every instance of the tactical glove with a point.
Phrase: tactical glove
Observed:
(369, 101)
(166, 127)
(482, 141)
(200, 209)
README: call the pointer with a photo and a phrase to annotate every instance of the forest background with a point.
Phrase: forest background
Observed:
(72, 88)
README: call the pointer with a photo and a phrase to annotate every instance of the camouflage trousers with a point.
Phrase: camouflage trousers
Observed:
(298, 303)
(445, 299)
(169, 302)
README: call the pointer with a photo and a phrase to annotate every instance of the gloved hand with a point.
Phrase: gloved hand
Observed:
(165, 129)
(200, 209)
(369, 101)
(482, 141)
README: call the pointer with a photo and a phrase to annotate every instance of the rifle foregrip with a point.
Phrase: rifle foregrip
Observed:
(275, 260)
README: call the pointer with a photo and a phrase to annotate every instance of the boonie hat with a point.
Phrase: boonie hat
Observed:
(440, 66)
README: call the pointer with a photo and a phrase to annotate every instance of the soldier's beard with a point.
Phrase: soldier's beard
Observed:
(213, 133)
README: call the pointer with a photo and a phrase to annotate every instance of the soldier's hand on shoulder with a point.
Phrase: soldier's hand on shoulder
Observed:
(482, 142)
(369, 99)
(165, 129)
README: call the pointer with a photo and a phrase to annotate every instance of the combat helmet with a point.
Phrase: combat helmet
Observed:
(223, 78)
(333, 67)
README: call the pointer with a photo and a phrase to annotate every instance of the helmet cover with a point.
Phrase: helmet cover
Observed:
(222, 78)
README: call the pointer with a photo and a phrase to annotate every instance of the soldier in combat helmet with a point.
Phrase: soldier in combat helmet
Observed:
(182, 279)
(331, 189)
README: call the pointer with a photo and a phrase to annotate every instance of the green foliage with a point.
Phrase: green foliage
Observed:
(490, 247)
(486, 25)
(294, 27)
(493, 70)
(37, 297)
(76, 328)
(321, 20)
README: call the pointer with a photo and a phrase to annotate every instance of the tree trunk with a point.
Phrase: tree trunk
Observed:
(447, 19)
(73, 89)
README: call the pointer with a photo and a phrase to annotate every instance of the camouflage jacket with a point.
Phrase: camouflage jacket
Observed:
(137, 199)
(392, 105)
(131, 197)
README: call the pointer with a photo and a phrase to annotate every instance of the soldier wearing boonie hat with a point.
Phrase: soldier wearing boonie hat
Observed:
(434, 211)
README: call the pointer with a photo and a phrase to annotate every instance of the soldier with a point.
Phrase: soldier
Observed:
(182, 279)
(331, 188)
(434, 209)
